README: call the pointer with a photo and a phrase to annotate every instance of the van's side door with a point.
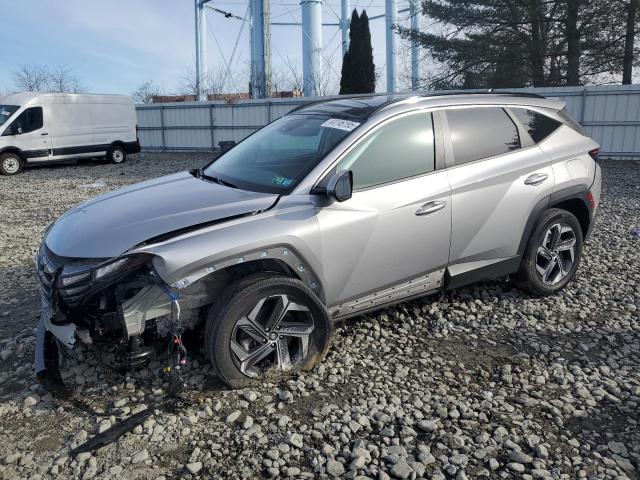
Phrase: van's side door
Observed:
(30, 134)
(71, 131)
(498, 175)
(391, 238)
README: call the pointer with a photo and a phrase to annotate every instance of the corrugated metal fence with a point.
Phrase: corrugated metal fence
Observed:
(611, 115)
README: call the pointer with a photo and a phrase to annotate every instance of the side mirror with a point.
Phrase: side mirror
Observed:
(340, 187)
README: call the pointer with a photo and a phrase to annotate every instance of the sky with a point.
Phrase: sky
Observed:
(116, 45)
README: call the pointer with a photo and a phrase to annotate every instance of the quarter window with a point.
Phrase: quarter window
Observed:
(28, 121)
(402, 148)
(482, 132)
(538, 125)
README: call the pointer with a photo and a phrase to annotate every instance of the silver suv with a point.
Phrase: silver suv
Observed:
(338, 208)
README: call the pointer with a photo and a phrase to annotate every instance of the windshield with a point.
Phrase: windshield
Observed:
(6, 111)
(277, 157)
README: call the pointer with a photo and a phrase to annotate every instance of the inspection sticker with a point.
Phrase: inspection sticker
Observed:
(340, 124)
(282, 181)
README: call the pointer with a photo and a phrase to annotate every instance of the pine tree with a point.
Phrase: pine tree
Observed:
(517, 43)
(347, 77)
(358, 70)
(368, 67)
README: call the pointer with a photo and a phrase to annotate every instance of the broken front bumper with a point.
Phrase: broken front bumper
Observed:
(78, 300)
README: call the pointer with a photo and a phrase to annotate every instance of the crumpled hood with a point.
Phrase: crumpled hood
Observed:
(109, 225)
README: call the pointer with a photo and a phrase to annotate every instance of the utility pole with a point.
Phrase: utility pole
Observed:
(201, 48)
(345, 21)
(311, 45)
(260, 48)
(391, 18)
(416, 73)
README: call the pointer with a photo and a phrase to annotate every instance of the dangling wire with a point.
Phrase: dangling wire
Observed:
(175, 350)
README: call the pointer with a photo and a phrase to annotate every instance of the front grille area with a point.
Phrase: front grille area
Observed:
(49, 269)
(48, 266)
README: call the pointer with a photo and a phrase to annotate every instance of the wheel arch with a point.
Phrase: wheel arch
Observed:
(572, 199)
(579, 208)
(278, 259)
(15, 150)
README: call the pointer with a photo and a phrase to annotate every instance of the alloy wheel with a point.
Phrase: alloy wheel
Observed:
(556, 254)
(274, 334)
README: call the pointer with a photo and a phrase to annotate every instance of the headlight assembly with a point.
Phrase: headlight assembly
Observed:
(70, 280)
(97, 272)
(111, 268)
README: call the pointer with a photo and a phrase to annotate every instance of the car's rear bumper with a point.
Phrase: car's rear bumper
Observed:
(595, 190)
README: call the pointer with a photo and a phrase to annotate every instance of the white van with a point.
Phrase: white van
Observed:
(45, 127)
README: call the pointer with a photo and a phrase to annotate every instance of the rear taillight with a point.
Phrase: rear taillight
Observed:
(595, 153)
(590, 199)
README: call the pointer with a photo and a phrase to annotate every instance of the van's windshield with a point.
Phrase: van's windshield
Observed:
(6, 111)
(277, 157)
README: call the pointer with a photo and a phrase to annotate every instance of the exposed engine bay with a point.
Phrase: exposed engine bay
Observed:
(122, 307)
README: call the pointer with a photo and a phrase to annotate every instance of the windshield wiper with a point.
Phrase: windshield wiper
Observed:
(217, 180)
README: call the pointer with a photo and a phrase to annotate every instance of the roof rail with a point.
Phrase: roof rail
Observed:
(481, 92)
(397, 97)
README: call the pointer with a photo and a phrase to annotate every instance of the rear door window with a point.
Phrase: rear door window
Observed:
(482, 132)
(402, 148)
(538, 125)
(29, 121)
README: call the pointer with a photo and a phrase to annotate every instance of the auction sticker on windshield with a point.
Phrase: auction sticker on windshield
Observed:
(340, 124)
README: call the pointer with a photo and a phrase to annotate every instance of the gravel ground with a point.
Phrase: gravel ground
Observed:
(484, 381)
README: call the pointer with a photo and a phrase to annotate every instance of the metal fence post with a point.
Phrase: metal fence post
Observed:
(269, 113)
(164, 146)
(584, 104)
(211, 126)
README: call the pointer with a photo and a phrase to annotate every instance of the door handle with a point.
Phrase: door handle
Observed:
(536, 178)
(44, 133)
(430, 207)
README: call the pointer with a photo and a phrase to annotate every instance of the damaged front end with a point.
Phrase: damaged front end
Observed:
(120, 306)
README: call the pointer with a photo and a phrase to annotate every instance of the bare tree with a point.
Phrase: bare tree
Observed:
(40, 78)
(145, 92)
(31, 78)
(63, 79)
(293, 76)
(215, 81)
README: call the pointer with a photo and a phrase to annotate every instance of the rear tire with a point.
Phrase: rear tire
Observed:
(116, 154)
(264, 328)
(553, 253)
(10, 163)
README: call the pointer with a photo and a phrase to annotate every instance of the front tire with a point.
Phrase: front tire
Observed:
(266, 327)
(10, 164)
(553, 253)
(116, 154)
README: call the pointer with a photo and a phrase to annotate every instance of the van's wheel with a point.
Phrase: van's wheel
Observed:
(265, 328)
(116, 154)
(10, 164)
(552, 255)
